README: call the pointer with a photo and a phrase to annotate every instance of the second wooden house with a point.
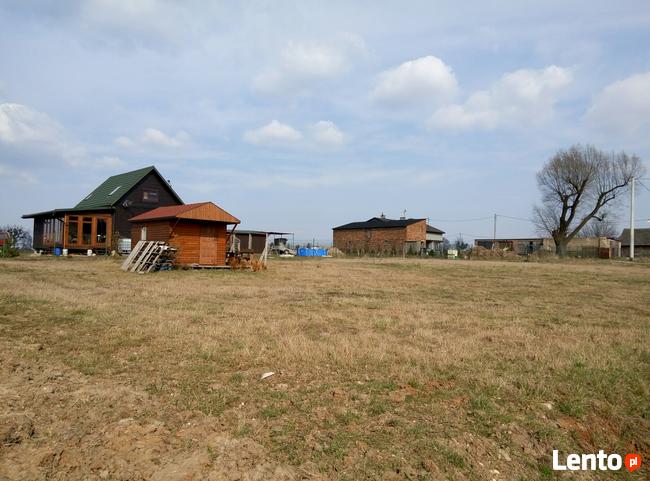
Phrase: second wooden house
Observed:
(198, 231)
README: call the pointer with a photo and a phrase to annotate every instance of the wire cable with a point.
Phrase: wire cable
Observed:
(461, 220)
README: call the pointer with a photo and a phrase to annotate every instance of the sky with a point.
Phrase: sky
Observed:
(303, 115)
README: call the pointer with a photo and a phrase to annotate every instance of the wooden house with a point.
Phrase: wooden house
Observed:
(101, 218)
(198, 231)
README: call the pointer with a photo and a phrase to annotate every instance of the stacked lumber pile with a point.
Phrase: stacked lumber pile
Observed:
(150, 256)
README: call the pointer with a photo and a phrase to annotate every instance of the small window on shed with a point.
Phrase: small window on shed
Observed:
(150, 196)
(143, 233)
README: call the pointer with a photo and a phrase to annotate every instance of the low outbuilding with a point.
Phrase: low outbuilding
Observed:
(248, 241)
(641, 242)
(199, 231)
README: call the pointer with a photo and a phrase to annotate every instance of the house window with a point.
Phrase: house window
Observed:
(73, 227)
(86, 231)
(101, 231)
(150, 196)
(143, 234)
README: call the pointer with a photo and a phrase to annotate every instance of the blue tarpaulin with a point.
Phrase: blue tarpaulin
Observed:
(311, 252)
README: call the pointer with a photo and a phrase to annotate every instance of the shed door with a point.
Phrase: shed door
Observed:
(208, 245)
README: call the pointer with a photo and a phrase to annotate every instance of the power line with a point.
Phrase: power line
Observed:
(644, 186)
(475, 236)
(460, 220)
(515, 218)
(482, 218)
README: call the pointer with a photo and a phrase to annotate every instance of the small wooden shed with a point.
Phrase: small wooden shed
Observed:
(199, 231)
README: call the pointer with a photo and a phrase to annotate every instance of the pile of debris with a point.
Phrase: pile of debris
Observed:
(238, 262)
(335, 252)
(150, 256)
(479, 252)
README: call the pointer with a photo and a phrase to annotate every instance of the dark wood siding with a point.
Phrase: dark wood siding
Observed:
(37, 237)
(135, 205)
(259, 243)
(156, 231)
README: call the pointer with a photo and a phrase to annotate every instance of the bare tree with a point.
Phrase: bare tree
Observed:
(576, 184)
(605, 227)
(20, 237)
(460, 244)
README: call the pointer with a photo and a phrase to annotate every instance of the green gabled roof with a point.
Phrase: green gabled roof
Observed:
(114, 188)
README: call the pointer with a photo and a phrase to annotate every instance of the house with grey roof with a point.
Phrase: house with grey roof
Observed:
(380, 235)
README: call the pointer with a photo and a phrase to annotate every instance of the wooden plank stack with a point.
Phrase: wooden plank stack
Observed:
(150, 256)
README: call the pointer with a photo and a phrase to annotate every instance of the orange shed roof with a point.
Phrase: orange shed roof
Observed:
(206, 211)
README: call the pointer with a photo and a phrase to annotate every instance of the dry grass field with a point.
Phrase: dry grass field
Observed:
(384, 369)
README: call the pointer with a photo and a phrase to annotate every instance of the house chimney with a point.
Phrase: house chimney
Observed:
(382, 216)
(403, 216)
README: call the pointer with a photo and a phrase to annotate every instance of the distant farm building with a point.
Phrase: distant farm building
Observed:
(101, 219)
(380, 235)
(199, 232)
(641, 242)
(4, 237)
(599, 247)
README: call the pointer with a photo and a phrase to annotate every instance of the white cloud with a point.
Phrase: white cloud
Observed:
(124, 142)
(327, 133)
(150, 23)
(427, 80)
(302, 63)
(319, 177)
(109, 161)
(21, 176)
(273, 133)
(156, 137)
(19, 123)
(37, 136)
(153, 137)
(523, 97)
(623, 107)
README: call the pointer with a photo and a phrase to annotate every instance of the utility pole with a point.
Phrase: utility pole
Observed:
(494, 232)
(632, 220)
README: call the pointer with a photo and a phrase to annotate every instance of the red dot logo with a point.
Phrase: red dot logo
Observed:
(632, 462)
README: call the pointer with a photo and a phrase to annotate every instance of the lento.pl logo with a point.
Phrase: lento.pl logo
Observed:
(595, 462)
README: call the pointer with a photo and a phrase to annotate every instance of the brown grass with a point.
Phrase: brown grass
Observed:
(394, 369)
